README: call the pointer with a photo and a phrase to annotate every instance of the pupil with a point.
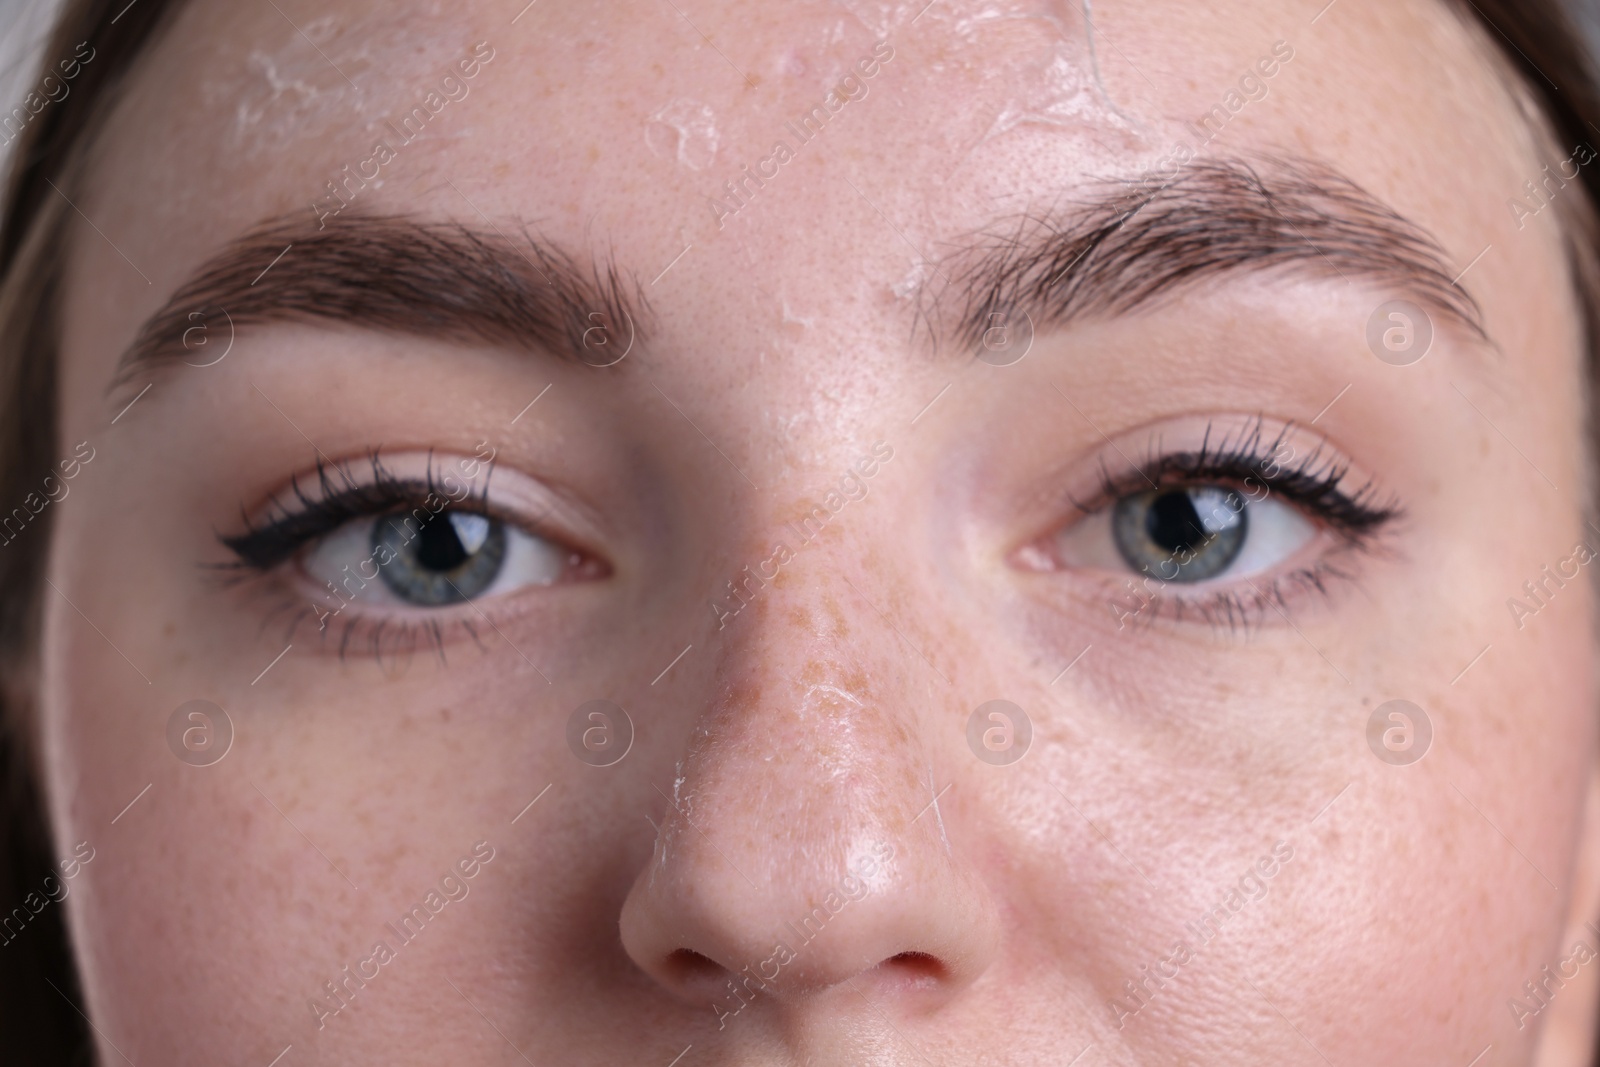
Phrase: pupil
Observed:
(1173, 523)
(438, 547)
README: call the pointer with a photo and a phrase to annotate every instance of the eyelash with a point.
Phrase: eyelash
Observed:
(1314, 482)
(264, 546)
(340, 498)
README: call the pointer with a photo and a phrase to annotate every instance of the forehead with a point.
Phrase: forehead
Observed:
(759, 165)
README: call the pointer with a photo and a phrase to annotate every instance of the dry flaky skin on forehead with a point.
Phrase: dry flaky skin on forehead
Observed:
(1037, 58)
(282, 85)
(287, 77)
(1030, 79)
(794, 708)
(686, 131)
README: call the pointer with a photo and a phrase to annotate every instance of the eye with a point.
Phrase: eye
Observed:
(428, 534)
(1187, 534)
(1248, 521)
(439, 560)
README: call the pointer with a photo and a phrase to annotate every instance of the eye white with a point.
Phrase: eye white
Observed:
(342, 563)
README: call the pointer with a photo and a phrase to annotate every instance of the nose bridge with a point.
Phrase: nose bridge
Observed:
(811, 731)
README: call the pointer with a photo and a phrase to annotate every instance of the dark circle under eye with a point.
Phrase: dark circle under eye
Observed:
(453, 556)
(1185, 534)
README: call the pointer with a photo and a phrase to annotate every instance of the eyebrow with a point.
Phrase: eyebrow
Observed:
(398, 274)
(1127, 244)
(1112, 249)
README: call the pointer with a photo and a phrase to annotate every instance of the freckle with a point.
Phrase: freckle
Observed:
(169, 629)
(741, 696)
(444, 713)
(841, 626)
(594, 154)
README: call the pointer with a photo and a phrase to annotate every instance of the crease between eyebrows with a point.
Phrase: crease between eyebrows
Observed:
(1127, 244)
(398, 274)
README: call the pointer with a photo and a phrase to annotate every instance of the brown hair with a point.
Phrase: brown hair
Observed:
(43, 1024)
(1538, 39)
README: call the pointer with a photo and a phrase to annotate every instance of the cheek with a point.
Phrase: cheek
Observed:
(178, 853)
(255, 880)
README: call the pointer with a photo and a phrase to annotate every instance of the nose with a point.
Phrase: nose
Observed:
(802, 848)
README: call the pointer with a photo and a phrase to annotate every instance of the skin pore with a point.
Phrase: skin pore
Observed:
(800, 737)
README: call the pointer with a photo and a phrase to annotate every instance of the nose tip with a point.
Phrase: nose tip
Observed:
(886, 923)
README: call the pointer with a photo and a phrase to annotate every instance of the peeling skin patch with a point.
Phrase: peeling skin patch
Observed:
(278, 85)
(287, 91)
(684, 130)
(910, 286)
(1034, 62)
(305, 77)
(833, 714)
(1042, 67)
(1059, 87)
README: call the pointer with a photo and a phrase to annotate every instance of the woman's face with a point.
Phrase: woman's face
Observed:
(798, 384)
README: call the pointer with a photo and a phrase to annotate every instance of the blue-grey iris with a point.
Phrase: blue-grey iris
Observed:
(454, 556)
(1183, 534)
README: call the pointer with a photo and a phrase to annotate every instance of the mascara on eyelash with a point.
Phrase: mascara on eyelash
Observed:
(1314, 481)
(343, 498)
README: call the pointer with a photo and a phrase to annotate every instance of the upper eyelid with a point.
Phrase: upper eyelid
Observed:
(1308, 482)
(296, 516)
(539, 508)
(540, 502)
(332, 482)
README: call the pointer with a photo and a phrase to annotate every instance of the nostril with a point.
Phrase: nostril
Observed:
(915, 969)
(689, 968)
